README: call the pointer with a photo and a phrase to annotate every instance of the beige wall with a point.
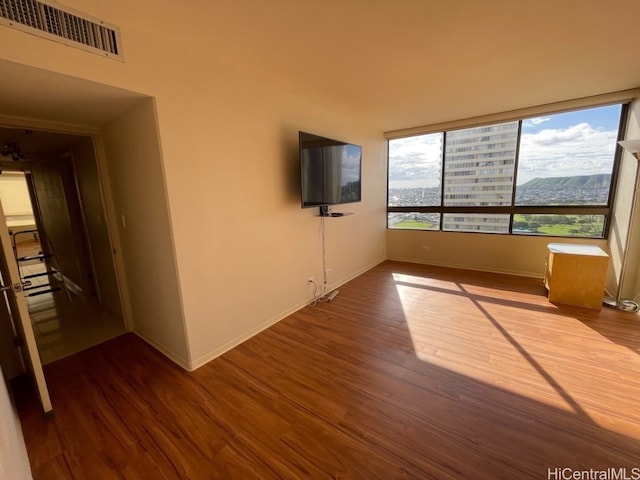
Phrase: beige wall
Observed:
(216, 245)
(16, 203)
(14, 463)
(631, 287)
(620, 225)
(517, 255)
(247, 246)
(15, 195)
(146, 250)
(90, 193)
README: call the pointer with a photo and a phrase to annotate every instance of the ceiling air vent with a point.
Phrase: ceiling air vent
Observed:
(56, 22)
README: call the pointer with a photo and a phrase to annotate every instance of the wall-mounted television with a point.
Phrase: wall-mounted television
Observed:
(330, 172)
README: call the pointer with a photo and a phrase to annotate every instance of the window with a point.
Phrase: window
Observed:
(549, 175)
(414, 180)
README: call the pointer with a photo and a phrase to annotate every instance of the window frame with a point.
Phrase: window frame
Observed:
(512, 210)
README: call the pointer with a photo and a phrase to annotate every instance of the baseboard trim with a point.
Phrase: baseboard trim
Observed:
(470, 267)
(167, 352)
(204, 359)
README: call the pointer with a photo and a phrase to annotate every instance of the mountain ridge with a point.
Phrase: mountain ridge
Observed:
(600, 180)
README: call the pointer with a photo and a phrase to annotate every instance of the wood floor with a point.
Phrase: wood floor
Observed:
(412, 372)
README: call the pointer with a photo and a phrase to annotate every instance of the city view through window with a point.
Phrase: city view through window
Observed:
(537, 170)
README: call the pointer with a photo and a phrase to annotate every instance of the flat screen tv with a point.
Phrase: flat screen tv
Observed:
(330, 171)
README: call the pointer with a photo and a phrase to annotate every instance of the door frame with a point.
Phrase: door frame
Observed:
(106, 195)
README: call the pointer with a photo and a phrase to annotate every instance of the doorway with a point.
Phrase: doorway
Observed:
(60, 239)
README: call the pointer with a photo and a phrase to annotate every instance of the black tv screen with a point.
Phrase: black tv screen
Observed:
(330, 171)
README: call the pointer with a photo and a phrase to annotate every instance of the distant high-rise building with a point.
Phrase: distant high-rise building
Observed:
(479, 168)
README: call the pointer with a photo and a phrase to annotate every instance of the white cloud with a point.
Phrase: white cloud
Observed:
(552, 152)
(415, 161)
(577, 150)
(530, 122)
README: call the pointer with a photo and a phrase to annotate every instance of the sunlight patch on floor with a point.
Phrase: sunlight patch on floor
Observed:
(451, 329)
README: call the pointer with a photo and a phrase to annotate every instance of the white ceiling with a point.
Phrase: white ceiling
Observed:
(395, 63)
(34, 93)
(72, 103)
(405, 63)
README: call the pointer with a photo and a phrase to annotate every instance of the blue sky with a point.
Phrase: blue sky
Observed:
(603, 118)
(574, 143)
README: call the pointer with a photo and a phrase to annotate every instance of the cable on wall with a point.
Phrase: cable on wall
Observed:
(322, 296)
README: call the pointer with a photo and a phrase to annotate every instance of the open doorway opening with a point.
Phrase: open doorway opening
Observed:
(51, 191)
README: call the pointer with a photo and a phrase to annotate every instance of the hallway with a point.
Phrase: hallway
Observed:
(63, 323)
